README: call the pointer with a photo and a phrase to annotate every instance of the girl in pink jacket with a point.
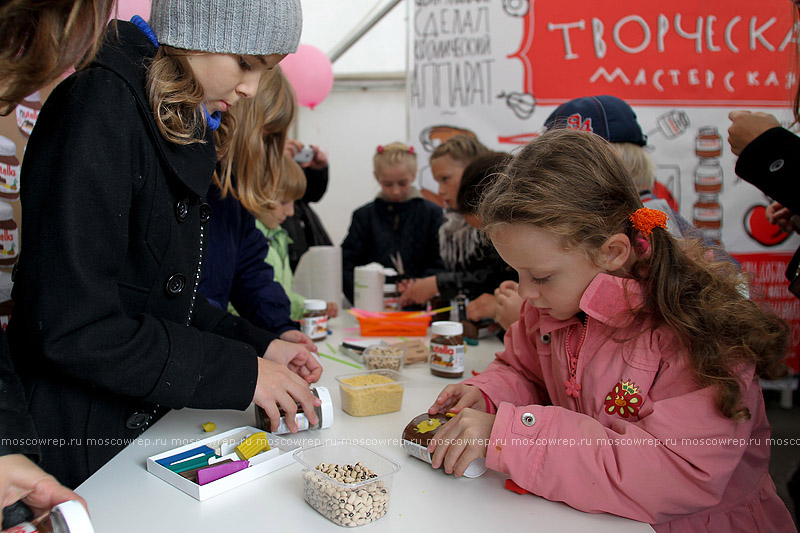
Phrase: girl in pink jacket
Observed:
(629, 385)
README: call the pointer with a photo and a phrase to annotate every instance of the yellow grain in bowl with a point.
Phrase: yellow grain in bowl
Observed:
(371, 393)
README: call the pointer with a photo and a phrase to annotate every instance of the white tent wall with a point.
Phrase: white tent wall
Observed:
(367, 106)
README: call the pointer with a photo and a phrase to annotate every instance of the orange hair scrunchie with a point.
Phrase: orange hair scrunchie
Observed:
(645, 219)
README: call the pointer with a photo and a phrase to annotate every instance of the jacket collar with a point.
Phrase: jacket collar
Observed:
(413, 192)
(608, 299)
(127, 51)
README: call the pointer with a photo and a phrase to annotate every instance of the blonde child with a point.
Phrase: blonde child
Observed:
(632, 358)
(290, 186)
(119, 237)
(472, 266)
(399, 226)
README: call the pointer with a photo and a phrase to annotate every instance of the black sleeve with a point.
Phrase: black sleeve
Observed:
(316, 184)
(17, 434)
(771, 162)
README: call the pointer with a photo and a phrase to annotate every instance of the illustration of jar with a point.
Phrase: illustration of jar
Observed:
(9, 169)
(707, 216)
(708, 176)
(27, 112)
(9, 235)
(708, 142)
(672, 124)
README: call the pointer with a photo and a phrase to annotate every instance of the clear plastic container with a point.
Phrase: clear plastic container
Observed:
(362, 395)
(384, 356)
(347, 504)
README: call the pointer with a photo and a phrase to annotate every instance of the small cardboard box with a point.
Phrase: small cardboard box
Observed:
(260, 465)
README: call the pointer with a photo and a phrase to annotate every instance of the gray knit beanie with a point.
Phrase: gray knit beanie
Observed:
(250, 27)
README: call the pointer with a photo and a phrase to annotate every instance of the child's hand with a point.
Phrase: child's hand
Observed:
(509, 302)
(462, 440)
(297, 336)
(332, 310)
(296, 358)
(456, 397)
(320, 161)
(484, 306)
(278, 386)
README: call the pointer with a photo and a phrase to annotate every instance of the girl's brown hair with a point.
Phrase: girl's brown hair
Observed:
(42, 39)
(573, 184)
(461, 147)
(255, 151)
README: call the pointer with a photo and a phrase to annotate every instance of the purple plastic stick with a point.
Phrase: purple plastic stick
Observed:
(215, 472)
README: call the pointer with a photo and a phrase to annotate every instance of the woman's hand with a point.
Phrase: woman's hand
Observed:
(509, 303)
(417, 291)
(785, 219)
(278, 386)
(454, 398)
(21, 479)
(296, 358)
(746, 126)
(298, 337)
(484, 306)
(462, 440)
(332, 310)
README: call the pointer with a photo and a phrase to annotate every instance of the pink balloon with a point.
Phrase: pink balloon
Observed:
(310, 73)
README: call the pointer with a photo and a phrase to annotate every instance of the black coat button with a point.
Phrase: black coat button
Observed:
(137, 420)
(205, 213)
(175, 284)
(182, 210)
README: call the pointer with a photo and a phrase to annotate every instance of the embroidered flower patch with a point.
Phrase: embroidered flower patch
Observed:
(625, 399)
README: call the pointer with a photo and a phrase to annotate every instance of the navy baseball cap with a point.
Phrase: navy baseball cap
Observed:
(607, 116)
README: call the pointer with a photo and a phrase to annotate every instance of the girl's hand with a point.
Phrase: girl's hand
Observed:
(456, 397)
(462, 440)
(509, 303)
(746, 126)
(320, 161)
(298, 337)
(278, 386)
(296, 358)
(332, 310)
(484, 306)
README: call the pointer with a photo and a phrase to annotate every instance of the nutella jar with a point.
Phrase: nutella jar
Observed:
(9, 235)
(27, 112)
(315, 321)
(673, 123)
(708, 177)
(9, 169)
(447, 349)
(708, 142)
(324, 414)
(707, 216)
(391, 298)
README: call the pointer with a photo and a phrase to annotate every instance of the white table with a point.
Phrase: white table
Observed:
(123, 497)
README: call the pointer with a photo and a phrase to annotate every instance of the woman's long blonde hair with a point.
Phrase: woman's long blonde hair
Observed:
(42, 39)
(573, 184)
(255, 153)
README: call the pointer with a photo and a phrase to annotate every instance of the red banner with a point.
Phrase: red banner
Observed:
(769, 284)
(684, 52)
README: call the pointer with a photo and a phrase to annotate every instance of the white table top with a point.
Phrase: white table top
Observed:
(123, 497)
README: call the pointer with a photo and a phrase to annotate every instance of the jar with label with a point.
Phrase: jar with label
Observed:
(708, 177)
(67, 517)
(315, 321)
(9, 235)
(707, 216)
(9, 169)
(27, 112)
(447, 349)
(391, 297)
(708, 142)
(324, 414)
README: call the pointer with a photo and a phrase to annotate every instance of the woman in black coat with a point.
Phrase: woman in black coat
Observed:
(108, 330)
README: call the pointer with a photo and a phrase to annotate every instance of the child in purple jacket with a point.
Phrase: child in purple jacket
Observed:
(629, 384)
